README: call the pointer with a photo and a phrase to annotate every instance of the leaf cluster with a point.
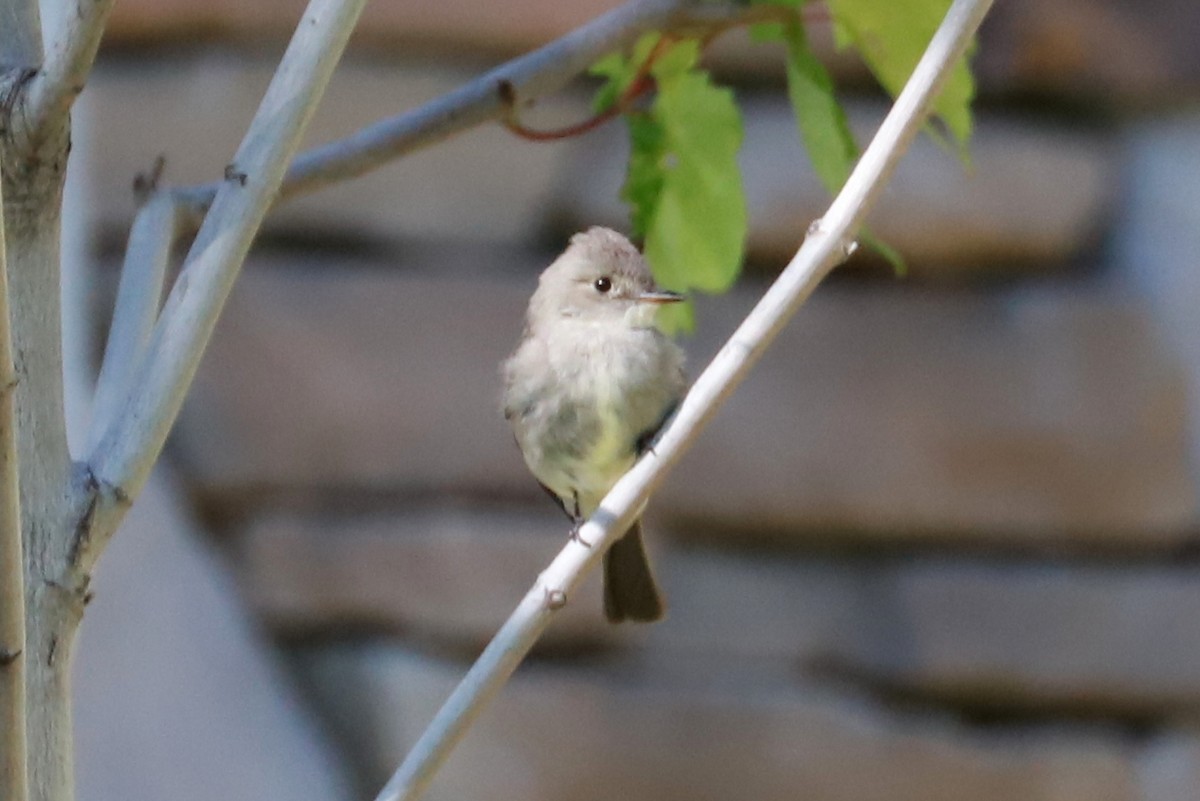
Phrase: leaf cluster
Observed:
(683, 185)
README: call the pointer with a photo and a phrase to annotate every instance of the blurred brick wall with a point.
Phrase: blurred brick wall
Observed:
(940, 546)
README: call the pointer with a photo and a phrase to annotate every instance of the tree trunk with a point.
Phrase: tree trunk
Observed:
(54, 597)
(13, 784)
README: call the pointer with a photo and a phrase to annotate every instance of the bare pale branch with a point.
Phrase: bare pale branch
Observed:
(13, 768)
(127, 451)
(829, 242)
(139, 296)
(71, 40)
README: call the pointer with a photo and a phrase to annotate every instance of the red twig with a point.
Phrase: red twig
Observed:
(636, 89)
(642, 82)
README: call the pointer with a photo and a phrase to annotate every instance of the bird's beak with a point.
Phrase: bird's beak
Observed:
(660, 296)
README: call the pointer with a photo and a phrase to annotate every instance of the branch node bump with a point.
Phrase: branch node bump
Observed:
(101, 496)
(848, 244)
(77, 593)
(555, 599)
(507, 92)
(146, 183)
(232, 173)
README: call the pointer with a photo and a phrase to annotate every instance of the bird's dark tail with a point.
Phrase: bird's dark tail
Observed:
(630, 592)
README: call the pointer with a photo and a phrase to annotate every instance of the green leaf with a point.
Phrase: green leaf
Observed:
(824, 128)
(820, 118)
(891, 36)
(644, 176)
(889, 253)
(697, 230)
(612, 68)
(766, 32)
(683, 183)
(772, 31)
(619, 71)
(674, 318)
(679, 59)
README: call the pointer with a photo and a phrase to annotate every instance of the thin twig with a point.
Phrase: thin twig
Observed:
(527, 78)
(138, 298)
(13, 751)
(828, 243)
(74, 37)
(641, 83)
(121, 462)
(512, 120)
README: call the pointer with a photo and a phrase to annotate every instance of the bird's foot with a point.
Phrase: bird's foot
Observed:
(577, 537)
(577, 521)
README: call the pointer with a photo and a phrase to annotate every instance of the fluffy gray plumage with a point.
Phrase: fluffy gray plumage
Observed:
(588, 386)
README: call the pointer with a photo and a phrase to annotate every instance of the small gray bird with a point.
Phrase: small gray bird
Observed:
(590, 384)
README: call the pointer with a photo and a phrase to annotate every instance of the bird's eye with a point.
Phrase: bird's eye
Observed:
(603, 284)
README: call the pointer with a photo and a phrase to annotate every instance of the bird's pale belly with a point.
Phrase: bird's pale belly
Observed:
(589, 476)
(580, 430)
(588, 470)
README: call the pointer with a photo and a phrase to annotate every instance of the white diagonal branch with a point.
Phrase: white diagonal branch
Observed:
(127, 450)
(827, 245)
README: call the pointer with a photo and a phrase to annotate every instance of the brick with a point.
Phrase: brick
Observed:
(1099, 51)
(618, 731)
(1169, 767)
(444, 573)
(1114, 642)
(452, 575)
(1102, 51)
(1099, 640)
(1003, 638)
(1155, 240)
(1025, 418)
(504, 28)
(383, 383)
(449, 32)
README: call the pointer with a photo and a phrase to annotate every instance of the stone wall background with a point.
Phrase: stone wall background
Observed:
(941, 545)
